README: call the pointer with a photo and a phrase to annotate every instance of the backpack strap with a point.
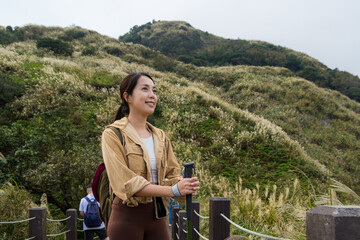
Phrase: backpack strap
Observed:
(119, 134)
(87, 199)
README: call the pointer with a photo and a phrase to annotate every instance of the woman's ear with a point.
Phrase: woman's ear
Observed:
(126, 96)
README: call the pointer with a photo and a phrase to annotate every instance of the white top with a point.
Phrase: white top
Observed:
(149, 144)
(82, 208)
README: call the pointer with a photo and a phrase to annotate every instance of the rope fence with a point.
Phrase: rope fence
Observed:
(203, 217)
(219, 218)
(58, 234)
(30, 238)
(200, 234)
(59, 220)
(35, 226)
(19, 221)
(251, 232)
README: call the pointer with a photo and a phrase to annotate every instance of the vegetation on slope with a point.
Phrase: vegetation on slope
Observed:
(179, 39)
(54, 108)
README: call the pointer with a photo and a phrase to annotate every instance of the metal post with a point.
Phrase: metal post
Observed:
(37, 226)
(333, 223)
(195, 219)
(175, 211)
(219, 228)
(71, 224)
(182, 225)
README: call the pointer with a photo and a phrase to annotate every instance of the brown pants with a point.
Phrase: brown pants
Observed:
(135, 223)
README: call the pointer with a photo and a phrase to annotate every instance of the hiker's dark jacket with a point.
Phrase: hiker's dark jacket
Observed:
(129, 167)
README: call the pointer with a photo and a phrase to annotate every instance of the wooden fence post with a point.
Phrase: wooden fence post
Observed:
(71, 224)
(219, 228)
(37, 226)
(175, 212)
(182, 225)
(333, 223)
(195, 219)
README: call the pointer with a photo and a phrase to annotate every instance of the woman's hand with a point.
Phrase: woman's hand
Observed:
(188, 186)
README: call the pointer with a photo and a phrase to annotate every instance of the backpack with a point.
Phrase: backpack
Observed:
(91, 217)
(102, 191)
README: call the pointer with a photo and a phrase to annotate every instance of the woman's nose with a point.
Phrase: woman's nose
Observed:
(152, 94)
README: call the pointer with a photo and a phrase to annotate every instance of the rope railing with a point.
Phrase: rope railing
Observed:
(38, 228)
(31, 238)
(203, 217)
(185, 231)
(58, 234)
(80, 219)
(19, 221)
(200, 234)
(251, 232)
(59, 220)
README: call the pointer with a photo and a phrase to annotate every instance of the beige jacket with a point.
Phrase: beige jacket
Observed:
(129, 168)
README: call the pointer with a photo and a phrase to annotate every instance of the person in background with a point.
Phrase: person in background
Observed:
(172, 203)
(84, 207)
(144, 172)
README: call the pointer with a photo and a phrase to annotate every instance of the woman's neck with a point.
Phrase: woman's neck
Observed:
(139, 123)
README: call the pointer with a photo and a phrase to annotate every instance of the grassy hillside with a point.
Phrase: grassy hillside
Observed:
(182, 41)
(255, 133)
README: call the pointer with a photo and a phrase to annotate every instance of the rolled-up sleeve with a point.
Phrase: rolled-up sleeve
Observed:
(124, 182)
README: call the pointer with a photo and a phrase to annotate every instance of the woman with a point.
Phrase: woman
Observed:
(143, 168)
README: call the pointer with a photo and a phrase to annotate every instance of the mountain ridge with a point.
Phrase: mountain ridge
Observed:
(180, 40)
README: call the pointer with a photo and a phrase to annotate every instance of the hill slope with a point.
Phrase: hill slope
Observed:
(179, 39)
(262, 124)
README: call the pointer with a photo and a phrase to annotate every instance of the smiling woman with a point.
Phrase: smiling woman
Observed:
(143, 172)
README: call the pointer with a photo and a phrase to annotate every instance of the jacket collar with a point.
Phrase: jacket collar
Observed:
(130, 131)
(158, 135)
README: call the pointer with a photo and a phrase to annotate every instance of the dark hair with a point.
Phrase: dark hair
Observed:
(127, 86)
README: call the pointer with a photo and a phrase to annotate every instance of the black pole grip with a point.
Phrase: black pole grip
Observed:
(188, 171)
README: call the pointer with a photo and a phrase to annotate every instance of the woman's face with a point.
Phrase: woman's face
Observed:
(143, 98)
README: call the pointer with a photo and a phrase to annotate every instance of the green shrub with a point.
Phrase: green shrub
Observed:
(57, 46)
(6, 37)
(88, 51)
(72, 34)
(9, 89)
(115, 51)
(163, 63)
(105, 79)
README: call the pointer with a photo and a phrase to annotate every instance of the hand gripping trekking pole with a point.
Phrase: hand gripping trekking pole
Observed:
(188, 171)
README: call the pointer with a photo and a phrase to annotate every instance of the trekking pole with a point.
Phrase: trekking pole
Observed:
(188, 171)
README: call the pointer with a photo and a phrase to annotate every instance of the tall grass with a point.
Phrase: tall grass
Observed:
(263, 210)
(15, 204)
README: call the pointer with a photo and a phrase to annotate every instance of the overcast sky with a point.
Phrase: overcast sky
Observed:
(328, 30)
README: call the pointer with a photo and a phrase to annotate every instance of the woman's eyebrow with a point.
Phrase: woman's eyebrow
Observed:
(147, 85)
